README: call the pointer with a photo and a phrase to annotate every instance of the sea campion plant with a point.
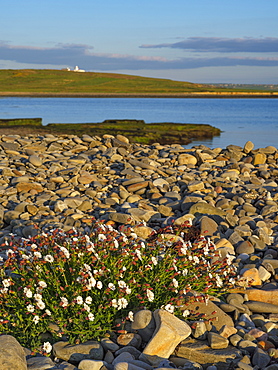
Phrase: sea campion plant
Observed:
(82, 283)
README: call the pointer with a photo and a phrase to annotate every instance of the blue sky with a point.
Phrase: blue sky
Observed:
(197, 40)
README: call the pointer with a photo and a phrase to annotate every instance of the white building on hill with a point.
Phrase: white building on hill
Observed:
(76, 69)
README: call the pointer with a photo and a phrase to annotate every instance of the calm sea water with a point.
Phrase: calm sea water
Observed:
(239, 119)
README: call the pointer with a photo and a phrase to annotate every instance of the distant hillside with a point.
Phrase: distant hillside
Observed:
(62, 82)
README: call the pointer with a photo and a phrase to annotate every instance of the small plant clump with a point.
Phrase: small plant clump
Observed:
(82, 283)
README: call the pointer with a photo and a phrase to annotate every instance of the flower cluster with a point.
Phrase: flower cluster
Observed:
(82, 283)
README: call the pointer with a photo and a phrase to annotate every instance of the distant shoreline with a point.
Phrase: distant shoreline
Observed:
(213, 95)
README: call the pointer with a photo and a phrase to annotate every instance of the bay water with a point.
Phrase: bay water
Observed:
(239, 120)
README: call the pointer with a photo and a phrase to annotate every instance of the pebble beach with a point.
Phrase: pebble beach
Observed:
(230, 194)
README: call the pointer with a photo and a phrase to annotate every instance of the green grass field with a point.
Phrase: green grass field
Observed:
(44, 81)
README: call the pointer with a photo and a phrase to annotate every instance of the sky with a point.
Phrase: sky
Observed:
(201, 41)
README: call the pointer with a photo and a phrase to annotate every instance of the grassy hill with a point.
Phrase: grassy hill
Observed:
(35, 81)
(59, 81)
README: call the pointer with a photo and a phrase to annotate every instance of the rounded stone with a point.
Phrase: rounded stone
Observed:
(35, 160)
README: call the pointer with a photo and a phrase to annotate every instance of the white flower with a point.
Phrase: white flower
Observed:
(230, 259)
(65, 251)
(6, 283)
(91, 317)
(101, 237)
(36, 319)
(114, 303)
(41, 305)
(128, 290)
(186, 313)
(86, 307)
(184, 250)
(64, 301)
(92, 282)
(38, 297)
(150, 295)
(4, 290)
(90, 247)
(111, 286)
(37, 254)
(130, 316)
(99, 285)
(154, 261)
(25, 257)
(219, 281)
(48, 258)
(122, 303)
(139, 255)
(116, 243)
(87, 268)
(48, 312)
(28, 292)
(79, 300)
(122, 284)
(184, 272)
(9, 252)
(169, 308)
(196, 260)
(175, 283)
(47, 347)
(30, 308)
(89, 300)
(42, 284)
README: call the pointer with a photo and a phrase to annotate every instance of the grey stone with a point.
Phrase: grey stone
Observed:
(247, 345)
(123, 357)
(260, 358)
(126, 366)
(129, 339)
(35, 160)
(39, 363)
(132, 350)
(109, 345)
(199, 330)
(262, 307)
(216, 341)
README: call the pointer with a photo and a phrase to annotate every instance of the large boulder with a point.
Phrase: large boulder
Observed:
(12, 355)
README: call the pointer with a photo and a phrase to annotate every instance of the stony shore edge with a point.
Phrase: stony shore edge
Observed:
(231, 194)
(207, 94)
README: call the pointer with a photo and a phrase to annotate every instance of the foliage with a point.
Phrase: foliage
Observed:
(82, 283)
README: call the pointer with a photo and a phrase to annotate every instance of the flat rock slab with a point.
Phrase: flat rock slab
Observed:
(77, 352)
(200, 352)
(262, 307)
(206, 209)
(212, 312)
(170, 331)
(267, 296)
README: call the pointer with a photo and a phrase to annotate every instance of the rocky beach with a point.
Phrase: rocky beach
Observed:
(62, 181)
